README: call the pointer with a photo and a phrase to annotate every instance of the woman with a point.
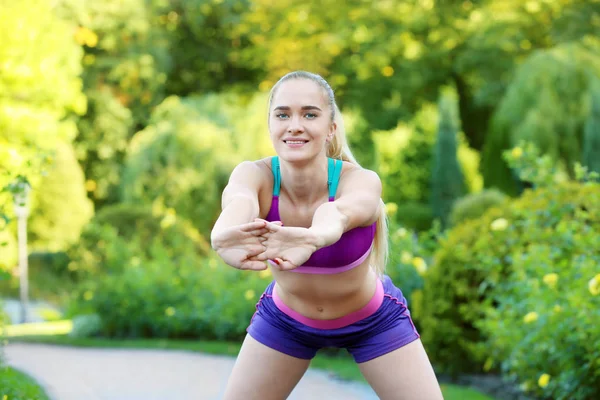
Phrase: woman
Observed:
(317, 217)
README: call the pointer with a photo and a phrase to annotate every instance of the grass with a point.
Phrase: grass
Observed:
(342, 366)
(16, 385)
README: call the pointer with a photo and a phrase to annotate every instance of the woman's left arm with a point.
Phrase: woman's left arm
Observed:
(357, 205)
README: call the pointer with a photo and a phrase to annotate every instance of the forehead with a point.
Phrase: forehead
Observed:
(299, 92)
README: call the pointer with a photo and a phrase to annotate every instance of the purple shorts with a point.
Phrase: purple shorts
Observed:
(380, 327)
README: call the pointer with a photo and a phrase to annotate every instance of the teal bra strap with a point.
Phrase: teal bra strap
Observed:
(276, 175)
(334, 171)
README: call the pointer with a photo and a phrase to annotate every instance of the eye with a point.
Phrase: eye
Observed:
(281, 116)
(310, 115)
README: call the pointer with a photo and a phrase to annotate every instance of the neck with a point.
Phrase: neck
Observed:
(304, 183)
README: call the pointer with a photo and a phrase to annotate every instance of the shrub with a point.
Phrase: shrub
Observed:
(187, 298)
(108, 242)
(487, 276)
(474, 205)
(415, 216)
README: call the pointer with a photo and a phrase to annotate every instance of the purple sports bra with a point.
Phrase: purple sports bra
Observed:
(349, 251)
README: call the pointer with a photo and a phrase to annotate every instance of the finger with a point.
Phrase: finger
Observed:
(254, 265)
(263, 256)
(274, 226)
(259, 232)
(251, 226)
(284, 265)
(255, 250)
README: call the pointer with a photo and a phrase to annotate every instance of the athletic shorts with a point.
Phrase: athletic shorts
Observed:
(380, 327)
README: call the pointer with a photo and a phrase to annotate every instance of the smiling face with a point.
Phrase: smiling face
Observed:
(300, 120)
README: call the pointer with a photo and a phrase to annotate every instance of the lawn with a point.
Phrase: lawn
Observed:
(343, 367)
(16, 385)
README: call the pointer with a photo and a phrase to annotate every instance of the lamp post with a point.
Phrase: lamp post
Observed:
(21, 202)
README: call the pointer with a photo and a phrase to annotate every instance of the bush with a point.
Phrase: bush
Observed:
(108, 242)
(487, 277)
(474, 205)
(163, 298)
(415, 216)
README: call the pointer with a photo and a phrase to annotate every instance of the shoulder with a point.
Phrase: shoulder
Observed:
(256, 169)
(354, 174)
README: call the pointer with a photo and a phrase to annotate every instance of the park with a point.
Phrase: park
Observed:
(121, 122)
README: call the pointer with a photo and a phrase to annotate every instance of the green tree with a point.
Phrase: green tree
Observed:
(547, 104)
(447, 178)
(591, 143)
(40, 91)
(60, 206)
(181, 160)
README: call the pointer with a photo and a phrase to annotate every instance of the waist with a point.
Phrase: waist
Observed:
(326, 297)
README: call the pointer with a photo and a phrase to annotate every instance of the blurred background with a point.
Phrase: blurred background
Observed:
(126, 117)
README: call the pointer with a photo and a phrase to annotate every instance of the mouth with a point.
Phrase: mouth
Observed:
(295, 141)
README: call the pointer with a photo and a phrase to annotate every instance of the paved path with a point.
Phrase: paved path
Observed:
(69, 373)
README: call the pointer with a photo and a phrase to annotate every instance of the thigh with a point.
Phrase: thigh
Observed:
(403, 374)
(262, 373)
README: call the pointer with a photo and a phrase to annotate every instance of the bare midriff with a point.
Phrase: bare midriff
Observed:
(326, 296)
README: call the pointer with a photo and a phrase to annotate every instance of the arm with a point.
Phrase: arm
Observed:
(239, 202)
(235, 236)
(357, 205)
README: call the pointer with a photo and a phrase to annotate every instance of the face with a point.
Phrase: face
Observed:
(300, 120)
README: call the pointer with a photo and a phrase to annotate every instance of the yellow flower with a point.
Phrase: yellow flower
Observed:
(594, 285)
(517, 152)
(420, 265)
(550, 279)
(387, 71)
(530, 317)
(402, 232)
(543, 381)
(88, 295)
(499, 224)
(169, 311)
(249, 295)
(90, 185)
(406, 257)
(212, 263)
(557, 308)
(391, 208)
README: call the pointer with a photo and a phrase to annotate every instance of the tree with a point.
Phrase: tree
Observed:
(40, 91)
(447, 178)
(591, 141)
(546, 104)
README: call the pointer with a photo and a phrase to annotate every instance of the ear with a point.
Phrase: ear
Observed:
(332, 131)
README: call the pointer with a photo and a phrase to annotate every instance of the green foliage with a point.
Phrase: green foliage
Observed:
(153, 299)
(547, 104)
(447, 182)
(405, 166)
(415, 216)
(105, 242)
(493, 277)
(39, 90)
(180, 161)
(591, 139)
(59, 207)
(474, 205)
(16, 385)
(104, 133)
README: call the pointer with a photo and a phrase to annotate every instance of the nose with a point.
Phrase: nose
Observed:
(295, 125)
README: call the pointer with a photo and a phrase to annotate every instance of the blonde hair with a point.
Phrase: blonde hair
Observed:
(338, 148)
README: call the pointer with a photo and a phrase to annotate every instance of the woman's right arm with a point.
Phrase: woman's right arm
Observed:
(236, 236)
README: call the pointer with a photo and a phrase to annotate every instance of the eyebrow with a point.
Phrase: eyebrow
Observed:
(286, 108)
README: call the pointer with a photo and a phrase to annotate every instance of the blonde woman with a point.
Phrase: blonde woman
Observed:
(316, 218)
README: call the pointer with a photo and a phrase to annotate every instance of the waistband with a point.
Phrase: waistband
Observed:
(348, 319)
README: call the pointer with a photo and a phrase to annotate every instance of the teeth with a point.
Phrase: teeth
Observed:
(295, 141)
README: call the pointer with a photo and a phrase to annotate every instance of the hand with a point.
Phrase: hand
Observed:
(238, 245)
(288, 247)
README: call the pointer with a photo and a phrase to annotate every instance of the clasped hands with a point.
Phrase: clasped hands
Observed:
(250, 245)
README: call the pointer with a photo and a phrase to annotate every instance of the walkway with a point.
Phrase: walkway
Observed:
(69, 373)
